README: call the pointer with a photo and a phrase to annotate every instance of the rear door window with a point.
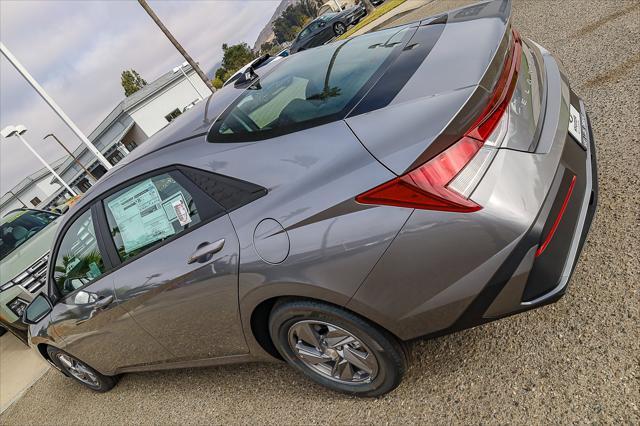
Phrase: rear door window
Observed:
(149, 212)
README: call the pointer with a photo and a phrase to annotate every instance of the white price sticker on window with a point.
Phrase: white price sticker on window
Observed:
(182, 211)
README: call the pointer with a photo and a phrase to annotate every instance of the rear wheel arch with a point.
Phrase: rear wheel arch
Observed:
(259, 321)
(42, 348)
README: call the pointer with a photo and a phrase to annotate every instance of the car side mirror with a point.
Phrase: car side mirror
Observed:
(322, 24)
(39, 308)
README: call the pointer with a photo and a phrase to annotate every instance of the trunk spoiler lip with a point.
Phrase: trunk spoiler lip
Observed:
(465, 117)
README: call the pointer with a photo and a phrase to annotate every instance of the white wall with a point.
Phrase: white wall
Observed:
(150, 115)
(41, 189)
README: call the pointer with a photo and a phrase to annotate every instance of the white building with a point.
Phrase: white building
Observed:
(130, 123)
(34, 190)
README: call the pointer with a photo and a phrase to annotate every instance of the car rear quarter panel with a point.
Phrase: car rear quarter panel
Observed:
(312, 178)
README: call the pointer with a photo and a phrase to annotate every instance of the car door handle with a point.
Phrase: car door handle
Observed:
(101, 303)
(205, 250)
(96, 307)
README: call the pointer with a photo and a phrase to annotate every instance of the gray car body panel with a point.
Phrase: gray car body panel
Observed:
(413, 272)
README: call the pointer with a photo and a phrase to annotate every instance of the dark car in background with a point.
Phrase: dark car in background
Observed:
(326, 27)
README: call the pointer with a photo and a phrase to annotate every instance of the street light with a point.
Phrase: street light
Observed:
(36, 86)
(179, 67)
(20, 130)
(71, 155)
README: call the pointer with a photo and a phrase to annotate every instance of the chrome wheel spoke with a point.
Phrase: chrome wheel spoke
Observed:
(332, 352)
(363, 361)
(307, 334)
(78, 370)
(312, 355)
(345, 371)
(66, 361)
(336, 338)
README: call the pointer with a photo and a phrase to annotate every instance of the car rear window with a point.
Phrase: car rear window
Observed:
(308, 89)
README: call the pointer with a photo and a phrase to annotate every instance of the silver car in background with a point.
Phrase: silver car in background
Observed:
(409, 182)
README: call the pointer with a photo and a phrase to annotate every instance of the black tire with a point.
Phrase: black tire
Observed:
(103, 383)
(2, 330)
(339, 28)
(389, 354)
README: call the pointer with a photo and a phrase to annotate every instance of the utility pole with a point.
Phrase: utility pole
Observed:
(72, 156)
(175, 43)
(24, 73)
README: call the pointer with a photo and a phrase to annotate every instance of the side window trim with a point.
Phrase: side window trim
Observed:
(208, 212)
(52, 289)
(102, 235)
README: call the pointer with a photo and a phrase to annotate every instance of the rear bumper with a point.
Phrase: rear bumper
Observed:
(574, 238)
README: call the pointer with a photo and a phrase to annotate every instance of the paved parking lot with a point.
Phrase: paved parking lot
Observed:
(575, 361)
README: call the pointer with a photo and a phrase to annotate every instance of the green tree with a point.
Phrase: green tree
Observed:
(131, 81)
(233, 58)
(217, 83)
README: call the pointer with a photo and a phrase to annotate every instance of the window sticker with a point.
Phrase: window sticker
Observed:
(181, 211)
(140, 216)
(167, 204)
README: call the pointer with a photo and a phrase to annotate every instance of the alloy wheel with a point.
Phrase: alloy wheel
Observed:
(78, 370)
(340, 29)
(333, 352)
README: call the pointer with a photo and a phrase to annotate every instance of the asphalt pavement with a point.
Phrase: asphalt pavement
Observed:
(576, 361)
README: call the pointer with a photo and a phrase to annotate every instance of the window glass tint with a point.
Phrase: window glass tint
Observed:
(304, 33)
(309, 88)
(148, 212)
(78, 261)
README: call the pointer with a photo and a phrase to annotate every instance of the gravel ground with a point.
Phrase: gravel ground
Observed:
(572, 362)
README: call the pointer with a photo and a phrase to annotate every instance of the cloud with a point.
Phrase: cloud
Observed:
(77, 50)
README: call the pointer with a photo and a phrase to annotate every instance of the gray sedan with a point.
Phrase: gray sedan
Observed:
(329, 208)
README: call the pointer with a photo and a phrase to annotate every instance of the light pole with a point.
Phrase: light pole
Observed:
(72, 156)
(180, 67)
(20, 130)
(24, 73)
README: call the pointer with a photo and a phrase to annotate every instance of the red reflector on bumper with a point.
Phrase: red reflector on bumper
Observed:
(547, 240)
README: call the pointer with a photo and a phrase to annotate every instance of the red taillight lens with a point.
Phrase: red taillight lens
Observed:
(426, 186)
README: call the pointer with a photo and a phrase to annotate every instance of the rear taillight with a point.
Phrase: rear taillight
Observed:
(445, 182)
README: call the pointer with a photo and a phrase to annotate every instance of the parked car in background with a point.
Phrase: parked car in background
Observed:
(346, 200)
(325, 27)
(25, 240)
(336, 6)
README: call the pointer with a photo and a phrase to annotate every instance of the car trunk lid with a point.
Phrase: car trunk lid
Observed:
(438, 87)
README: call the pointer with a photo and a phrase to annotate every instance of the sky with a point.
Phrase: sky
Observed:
(77, 49)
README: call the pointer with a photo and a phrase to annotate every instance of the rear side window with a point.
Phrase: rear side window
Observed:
(308, 89)
(148, 212)
(78, 260)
